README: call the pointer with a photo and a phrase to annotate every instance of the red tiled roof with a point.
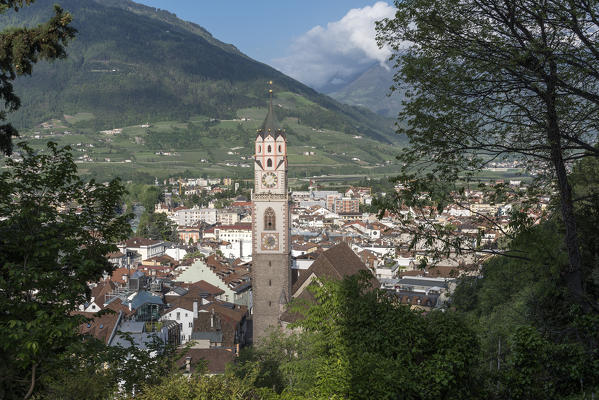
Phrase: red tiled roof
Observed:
(117, 275)
(240, 226)
(216, 359)
(99, 327)
(336, 263)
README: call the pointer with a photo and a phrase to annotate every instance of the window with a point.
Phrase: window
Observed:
(270, 303)
(269, 149)
(259, 149)
(269, 282)
(191, 324)
(178, 316)
(280, 149)
(269, 163)
(269, 219)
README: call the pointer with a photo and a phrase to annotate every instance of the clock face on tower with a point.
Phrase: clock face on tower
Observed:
(270, 241)
(269, 180)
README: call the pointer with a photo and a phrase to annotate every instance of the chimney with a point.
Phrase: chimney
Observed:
(195, 308)
(188, 365)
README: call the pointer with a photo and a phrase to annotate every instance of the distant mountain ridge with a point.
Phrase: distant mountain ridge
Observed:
(132, 63)
(370, 89)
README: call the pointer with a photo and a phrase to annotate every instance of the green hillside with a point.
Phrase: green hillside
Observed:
(132, 64)
(203, 146)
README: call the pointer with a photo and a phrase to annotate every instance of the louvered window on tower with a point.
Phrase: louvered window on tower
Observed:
(269, 163)
(269, 219)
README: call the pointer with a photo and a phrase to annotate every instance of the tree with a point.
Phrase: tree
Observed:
(285, 362)
(357, 342)
(157, 226)
(55, 232)
(20, 48)
(494, 80)
(533, 342)
(219, 387)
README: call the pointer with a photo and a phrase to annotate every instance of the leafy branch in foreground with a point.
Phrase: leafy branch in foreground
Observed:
(20, 48)
(499, 80)
(55, 232)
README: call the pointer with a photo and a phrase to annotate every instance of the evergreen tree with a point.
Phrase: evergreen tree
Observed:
(20, 48)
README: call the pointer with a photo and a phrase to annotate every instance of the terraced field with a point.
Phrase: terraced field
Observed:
(200, 146)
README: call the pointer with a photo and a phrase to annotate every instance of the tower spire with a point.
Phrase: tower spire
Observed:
(270, 125)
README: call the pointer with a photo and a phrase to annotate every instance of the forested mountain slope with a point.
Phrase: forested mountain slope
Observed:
(132, 63)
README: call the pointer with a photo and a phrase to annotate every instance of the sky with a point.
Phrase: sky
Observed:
(313, 41)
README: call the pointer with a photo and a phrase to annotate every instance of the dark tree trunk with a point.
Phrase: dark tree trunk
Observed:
(573, 274)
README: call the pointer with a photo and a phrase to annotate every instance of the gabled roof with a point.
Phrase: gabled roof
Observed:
(216, 359)
(101, 290)
(143, 297)
(336, 263)
(99, 327)
(197, 289)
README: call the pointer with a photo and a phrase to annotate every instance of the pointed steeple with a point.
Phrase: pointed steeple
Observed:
(271, 126)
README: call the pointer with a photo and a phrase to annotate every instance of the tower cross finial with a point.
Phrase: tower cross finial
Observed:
(270, 91)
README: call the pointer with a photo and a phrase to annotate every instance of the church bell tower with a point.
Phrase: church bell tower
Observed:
(271, 272)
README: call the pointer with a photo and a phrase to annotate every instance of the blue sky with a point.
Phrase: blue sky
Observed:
(306, 39)
(263, 29)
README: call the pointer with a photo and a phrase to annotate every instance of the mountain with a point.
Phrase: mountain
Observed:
(370, 89)
(132, 63)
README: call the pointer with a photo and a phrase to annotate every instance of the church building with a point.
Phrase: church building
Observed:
(271, 272)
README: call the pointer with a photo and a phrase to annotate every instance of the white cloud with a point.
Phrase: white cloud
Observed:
(340, 50)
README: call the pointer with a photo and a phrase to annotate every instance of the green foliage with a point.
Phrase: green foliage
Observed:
(91, 369)
(149, 66)
(356, 342)
(203, 387)
(55, 231)
(491, 81)
(284, 362)
(194, 254)
(20, 48)
(535, 342)
(157, 226)
(146, 195)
